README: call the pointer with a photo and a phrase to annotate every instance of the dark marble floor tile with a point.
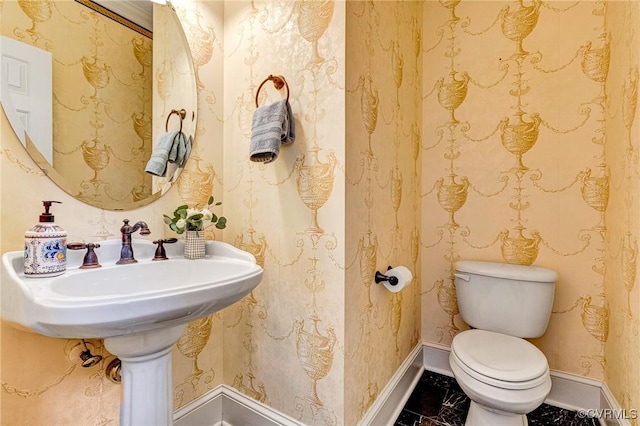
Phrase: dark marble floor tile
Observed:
(457, 400)
(437, 400)
(584, 421)
(426, 421)
(426, 400)
(435, 379)
(452, 416)
(547, 415)
(408, 418)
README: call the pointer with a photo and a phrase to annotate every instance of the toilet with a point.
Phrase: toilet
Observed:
(504, 375)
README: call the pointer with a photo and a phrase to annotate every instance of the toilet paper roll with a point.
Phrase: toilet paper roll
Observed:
(404, 276)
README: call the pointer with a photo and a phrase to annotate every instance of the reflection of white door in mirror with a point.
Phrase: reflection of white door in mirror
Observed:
(27, 92)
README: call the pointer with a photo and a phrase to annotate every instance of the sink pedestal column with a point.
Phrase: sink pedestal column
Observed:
(146, 375)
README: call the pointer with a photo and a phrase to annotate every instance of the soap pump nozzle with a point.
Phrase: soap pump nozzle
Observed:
(46, 216)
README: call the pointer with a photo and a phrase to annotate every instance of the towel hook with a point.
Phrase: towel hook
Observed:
(181, 114)
(278, 82)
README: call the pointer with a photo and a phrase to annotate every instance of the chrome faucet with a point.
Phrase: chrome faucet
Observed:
(126, 252)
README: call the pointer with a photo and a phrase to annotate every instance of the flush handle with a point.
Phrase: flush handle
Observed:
(462, 276)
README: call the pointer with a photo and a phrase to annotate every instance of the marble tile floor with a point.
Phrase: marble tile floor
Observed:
(437, 400)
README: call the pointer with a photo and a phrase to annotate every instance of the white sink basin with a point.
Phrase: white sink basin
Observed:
(117, 300)
(140, 309)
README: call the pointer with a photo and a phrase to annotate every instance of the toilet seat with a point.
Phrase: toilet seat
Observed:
(499, 360)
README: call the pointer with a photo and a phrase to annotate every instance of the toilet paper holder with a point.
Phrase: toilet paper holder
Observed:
(380, 277)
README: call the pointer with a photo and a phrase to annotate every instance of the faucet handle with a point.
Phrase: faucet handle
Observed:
(160, 252)
(90, 258)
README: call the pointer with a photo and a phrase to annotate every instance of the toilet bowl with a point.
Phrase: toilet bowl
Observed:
(504, 375)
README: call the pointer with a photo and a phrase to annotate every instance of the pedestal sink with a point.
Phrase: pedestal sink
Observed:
(140, 309)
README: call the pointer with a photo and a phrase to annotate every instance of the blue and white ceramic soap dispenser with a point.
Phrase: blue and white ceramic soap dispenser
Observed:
(45, 247)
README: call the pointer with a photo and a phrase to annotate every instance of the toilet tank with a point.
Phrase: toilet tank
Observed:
(509, 299)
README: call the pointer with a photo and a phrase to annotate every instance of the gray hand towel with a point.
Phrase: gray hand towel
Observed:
(157, 164)
(272, 125)
(180, 149)
(173, 147)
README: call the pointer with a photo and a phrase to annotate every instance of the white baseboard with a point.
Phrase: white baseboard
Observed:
(436, 358)
(240, 410)
(573, 392)
(204, 411)
(609, 402)
(225, 406)
(387, 407)
(567, 390)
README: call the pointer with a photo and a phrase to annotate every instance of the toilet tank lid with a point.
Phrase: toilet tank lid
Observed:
(508, 271)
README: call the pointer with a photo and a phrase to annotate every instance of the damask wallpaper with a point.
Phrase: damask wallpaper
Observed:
(529, 156)
(523, 147)
(289, 213)
(316, 216)
(383, 169)
(622, 151)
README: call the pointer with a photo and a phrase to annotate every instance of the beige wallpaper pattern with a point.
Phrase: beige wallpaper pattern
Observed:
(101, 93)
(299, 323)
(526, 160)
(315, 310)
(622, 150)
(289, 213)
(383, 170)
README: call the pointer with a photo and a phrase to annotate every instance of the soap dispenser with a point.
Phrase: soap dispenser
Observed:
(45, 247)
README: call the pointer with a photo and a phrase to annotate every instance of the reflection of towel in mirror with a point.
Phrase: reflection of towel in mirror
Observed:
(173, 147)
(185, 157)
(180, 149)
(271, 126)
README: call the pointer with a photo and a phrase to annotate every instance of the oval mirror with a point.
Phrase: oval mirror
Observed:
(90, 92)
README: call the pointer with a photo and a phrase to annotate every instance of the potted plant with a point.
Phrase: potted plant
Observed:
(193, 222)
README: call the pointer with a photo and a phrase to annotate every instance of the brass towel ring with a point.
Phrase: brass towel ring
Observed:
(278, 82)
(181, 114)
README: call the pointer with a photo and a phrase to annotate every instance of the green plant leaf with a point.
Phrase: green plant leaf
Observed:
(195, 222)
